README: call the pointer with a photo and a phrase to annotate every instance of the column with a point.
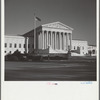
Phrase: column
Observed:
(47, 39)
(55, 41)
(63, 41)
(70, 41)
(60, 40)
(66, 41)
(51, 39)
(26, 44)
(39, 37)
(42, 39)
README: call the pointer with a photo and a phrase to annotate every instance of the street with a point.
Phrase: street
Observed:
(51, 71)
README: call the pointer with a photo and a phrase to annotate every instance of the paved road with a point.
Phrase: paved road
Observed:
(51, 71)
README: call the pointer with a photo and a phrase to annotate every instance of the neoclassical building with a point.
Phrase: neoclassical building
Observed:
(51, 38)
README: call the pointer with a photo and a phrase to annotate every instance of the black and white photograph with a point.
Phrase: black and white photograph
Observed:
(50, 40)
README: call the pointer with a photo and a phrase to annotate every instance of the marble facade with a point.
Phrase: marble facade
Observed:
(56, 36)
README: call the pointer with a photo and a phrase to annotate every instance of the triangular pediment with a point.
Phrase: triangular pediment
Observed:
(57, 25)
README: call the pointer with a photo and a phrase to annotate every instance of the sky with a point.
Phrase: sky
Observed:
(78, 14)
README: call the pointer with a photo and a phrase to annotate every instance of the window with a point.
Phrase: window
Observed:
(5, 44)
(10, 45)
(83, 48)
(19, 45)
(10, 52)
(5, 51)
(15, 45)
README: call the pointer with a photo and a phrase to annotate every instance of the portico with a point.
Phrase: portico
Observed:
(55, 36)
(56, 40)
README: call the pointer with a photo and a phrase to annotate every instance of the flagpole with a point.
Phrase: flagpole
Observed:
(34, 32)
(35, 35)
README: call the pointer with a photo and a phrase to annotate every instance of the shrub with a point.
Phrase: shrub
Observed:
(11, 58)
